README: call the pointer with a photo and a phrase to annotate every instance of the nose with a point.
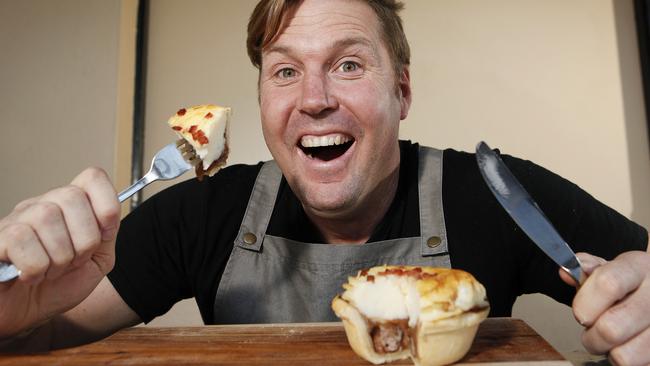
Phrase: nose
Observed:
(316, 96)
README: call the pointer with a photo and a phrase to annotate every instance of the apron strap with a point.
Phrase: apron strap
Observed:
(433, 234)
(260, 207)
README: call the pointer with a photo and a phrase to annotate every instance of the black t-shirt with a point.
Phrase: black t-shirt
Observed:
(176, 244)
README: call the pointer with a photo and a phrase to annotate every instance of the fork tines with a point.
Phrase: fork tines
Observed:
(187, 151)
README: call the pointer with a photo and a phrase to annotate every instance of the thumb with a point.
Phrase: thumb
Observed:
(588, 263)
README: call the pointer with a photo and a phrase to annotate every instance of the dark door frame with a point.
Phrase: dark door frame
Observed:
(642, 15)
(139, 98)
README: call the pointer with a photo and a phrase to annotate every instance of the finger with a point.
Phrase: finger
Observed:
(633, 352)
(26, 203)
(103, 199)
(46, 219)
(607, 284)
(620, 323)
(20, 206)
(79, 220)
(588, 263)
(24, 250)
(566, 277)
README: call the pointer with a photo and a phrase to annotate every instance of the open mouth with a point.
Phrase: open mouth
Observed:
(326, 148)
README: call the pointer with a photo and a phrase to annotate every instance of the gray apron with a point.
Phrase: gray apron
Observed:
(270, 279)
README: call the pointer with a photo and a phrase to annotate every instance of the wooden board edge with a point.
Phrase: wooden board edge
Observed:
(526, 363)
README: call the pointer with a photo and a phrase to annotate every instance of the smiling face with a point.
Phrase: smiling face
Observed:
(331, 106)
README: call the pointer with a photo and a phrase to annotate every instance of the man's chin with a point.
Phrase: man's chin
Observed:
(328, 205)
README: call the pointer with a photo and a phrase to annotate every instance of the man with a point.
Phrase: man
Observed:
(251, 243)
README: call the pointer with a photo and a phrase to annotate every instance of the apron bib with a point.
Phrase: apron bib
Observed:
(270, 279)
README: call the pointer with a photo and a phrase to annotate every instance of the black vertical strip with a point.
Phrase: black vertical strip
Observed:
(642, 15)
(139, 95)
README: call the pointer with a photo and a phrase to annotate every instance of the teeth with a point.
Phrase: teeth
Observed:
(330, 140)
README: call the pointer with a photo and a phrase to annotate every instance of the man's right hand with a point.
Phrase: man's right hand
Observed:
(63, 242)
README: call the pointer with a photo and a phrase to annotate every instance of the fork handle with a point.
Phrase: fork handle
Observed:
(8, 272)
(135, 187)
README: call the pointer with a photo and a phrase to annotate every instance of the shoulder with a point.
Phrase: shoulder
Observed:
(463, 184)
(579, 217)
(228, 181)
(227, 189)
(462, 165)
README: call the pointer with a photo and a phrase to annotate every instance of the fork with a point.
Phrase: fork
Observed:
(169, 162)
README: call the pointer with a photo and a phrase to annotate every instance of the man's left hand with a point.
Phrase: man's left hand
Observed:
(613, 304)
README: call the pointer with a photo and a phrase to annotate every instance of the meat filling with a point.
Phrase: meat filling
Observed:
(390, 337)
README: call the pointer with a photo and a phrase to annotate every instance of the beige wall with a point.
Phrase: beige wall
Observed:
(66, 75)
(204, 63)
(554, 81)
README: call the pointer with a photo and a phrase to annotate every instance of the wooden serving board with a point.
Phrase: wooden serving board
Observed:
(498, 341)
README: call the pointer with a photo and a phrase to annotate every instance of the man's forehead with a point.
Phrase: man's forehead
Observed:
(307, 9)
(328, 45)
(330, 24)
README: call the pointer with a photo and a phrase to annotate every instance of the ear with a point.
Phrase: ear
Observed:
(404, 90)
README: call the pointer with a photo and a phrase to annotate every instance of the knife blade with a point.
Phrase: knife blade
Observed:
(514, 198)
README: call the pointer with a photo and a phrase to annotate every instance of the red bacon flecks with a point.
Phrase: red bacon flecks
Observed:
(413, 272)
(202, 139)
(181, 112)
(209, 115)
(198, 135)
(363, 272)
(177, 128)
(392, 271)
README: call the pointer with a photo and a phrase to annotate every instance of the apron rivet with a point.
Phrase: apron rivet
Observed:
(434, 241)
(250, 238)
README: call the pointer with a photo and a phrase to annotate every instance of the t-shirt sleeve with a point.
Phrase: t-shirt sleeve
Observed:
(175, 244)
(585, 223)
(148, 272)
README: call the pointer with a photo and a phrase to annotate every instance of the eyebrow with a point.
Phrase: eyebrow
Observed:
(341, 43)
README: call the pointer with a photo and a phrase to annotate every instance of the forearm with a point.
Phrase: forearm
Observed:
(67, 333)
(98, 316)
(59, 332)
(36, 339)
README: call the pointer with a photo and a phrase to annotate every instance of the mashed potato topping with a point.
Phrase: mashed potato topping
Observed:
(387, 297)
(413, 293)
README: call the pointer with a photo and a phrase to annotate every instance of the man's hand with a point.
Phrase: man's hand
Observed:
(63, 242)
(613, 304)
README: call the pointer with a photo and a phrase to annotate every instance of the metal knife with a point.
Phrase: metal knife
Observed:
(525, 212)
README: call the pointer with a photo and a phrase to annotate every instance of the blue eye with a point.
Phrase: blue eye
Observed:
(287, 73)
(349, 66)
